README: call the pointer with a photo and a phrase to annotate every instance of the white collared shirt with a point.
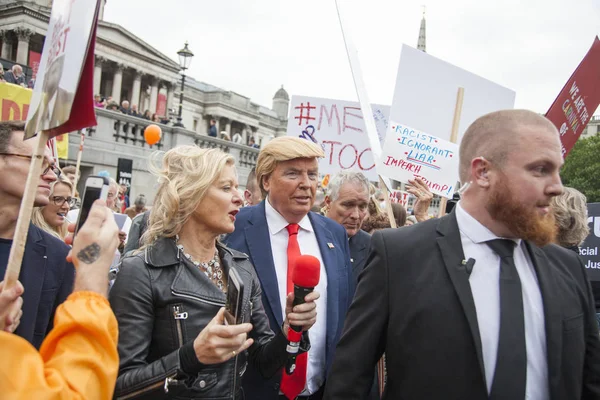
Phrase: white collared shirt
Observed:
(308, 245)
(485, 286)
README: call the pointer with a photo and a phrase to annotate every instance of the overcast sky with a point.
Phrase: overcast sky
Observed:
(253, 47)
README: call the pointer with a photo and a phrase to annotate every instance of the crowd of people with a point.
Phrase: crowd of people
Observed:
(128, 109)
(16, 76)
(488, 301)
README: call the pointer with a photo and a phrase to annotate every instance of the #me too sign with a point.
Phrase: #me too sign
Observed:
(339, 128)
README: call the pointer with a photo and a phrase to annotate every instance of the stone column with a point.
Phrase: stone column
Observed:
(6, 45)
(117, 82)
(137, 86)
(23, 35)
(244, 134)
(100, 61)
(170, 95)
(228, 128)
(154, 95)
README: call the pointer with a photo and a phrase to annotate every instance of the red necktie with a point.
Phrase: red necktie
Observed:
(293, 385)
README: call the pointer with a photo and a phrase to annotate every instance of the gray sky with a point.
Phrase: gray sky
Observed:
(252, 47)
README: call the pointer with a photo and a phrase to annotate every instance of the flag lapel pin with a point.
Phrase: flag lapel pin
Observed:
(330, 245)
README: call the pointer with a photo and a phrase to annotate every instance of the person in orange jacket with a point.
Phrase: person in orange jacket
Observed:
(78, 359)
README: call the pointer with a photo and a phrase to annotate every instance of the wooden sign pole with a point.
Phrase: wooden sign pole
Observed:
(15, 257)
(388, 203)
(453, 137)
(79, 153)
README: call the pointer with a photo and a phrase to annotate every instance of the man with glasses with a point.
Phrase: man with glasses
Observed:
(45, 274)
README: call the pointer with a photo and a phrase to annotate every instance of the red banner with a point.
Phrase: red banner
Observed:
(572, 109)
(34, 62)
(161, 105)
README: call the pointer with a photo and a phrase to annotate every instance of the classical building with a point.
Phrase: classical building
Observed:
(127, 68)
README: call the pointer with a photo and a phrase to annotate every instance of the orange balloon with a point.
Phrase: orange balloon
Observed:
(152, 134)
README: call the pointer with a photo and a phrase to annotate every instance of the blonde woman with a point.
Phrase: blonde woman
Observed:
(169, 296)
(570, 211)
(52, 217)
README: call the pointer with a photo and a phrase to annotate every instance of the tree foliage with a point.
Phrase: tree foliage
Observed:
(582, 168)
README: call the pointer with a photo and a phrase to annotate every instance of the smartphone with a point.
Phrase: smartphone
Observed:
(96, 187)
(235, 297)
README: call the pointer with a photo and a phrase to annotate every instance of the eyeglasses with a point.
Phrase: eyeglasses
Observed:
(52, 167)
(60, 200)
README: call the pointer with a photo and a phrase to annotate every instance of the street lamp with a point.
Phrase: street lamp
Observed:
(185, 59)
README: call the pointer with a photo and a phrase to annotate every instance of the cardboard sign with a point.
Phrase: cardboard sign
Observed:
(338, 127)
(399, 196)
(409, 153)
(589, 250)
(63, 94)
(577, 101)
(425, 94)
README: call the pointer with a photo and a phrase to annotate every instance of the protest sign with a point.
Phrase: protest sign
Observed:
(589, 249)
(579, 98)
(14, 102)
(409, 153)
(339, 128)
(425, 95)
(63, 94)
(399, 196)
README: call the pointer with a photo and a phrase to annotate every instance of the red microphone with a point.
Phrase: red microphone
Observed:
(305, 276)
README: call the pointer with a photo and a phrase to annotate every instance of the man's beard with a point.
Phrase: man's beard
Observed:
(524, 223)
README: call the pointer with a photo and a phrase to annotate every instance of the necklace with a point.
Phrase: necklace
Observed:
(211, 269)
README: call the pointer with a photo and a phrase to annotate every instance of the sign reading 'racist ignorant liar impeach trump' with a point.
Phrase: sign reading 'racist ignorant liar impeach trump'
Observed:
(409, 154)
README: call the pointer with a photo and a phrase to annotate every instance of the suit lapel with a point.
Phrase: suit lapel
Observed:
(552, 316)
(328, 254)
(451, 248)
(259, 245)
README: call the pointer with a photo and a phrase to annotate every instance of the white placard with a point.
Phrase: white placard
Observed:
(399, 196)
(339, 128)
(409, 153)
(425, 94)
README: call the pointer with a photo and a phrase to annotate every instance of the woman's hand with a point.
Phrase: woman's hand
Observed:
(304, 315)
(218, 343)
(421, 191)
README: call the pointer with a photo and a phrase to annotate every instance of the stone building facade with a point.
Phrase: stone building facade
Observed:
(127, 68)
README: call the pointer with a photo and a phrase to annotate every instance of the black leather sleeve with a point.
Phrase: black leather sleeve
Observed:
(132, 303)
(268, 352)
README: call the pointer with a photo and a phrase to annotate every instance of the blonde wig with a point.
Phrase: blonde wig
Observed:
(283, 149)
(38, 218)
(570, 210)
(184, 176)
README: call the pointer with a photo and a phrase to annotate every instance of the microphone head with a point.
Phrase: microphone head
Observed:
(307, 271)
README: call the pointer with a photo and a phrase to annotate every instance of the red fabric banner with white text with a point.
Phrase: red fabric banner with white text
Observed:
(577, 101)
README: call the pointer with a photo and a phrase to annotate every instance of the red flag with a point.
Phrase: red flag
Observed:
(572, 109)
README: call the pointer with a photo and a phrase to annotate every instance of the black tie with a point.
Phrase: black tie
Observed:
(510, 376)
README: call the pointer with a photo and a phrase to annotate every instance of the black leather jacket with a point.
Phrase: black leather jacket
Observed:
(162, 302)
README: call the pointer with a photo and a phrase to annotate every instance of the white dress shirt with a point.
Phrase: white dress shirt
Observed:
(485, 286)
(315, 376)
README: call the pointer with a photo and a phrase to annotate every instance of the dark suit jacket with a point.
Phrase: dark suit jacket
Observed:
(359, 249)
(252, 237)
(414, 303)
(48, 280)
